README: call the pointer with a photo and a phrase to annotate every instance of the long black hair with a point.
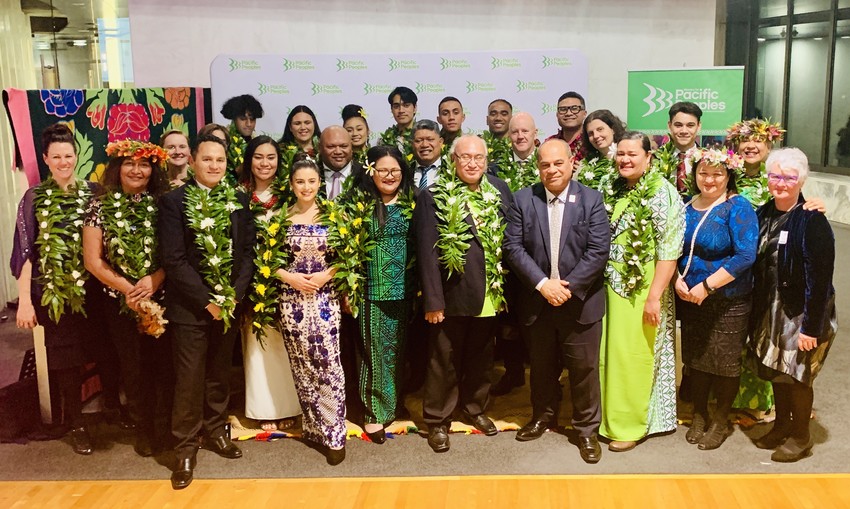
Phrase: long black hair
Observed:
(245, 173)
(365, 182)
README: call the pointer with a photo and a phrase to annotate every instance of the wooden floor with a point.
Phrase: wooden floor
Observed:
(537, 492)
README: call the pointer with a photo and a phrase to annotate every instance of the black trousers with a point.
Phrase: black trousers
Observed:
(460, 356)
(556, 341)
(202, 358)
(146, 370)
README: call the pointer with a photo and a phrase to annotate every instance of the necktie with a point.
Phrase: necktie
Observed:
(336, 185)
(423, 179)
(681, 174)
(554, 236)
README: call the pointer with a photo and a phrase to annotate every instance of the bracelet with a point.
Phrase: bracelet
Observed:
(708, 289)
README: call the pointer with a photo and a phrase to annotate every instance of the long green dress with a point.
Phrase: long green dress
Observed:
(753, 392)
(637, 361)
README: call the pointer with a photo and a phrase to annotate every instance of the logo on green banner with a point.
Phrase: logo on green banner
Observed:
(556, 62)
(523, 86)
(430, 88)
(376, 88)
(454, 63)
(265, 88)
(406, 65)
(718, 92)
(481, 86)
(318, 88)
(243, 65)
(548, 108)
(351, 65)
(501, 63)
(298, 65)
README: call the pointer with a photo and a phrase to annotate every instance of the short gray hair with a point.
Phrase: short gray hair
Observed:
(468, 136)
(789, 158)
(426, 125)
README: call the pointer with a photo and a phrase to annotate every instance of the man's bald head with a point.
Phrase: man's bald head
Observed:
(523, 133)
(335, 147)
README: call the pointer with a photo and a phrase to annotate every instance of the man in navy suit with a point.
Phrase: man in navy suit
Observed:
(557, 243)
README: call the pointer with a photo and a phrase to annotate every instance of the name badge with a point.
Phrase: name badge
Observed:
(783, 237)
(572, 198)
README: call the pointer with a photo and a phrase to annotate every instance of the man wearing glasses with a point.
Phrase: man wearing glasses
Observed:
(460, 307)
(571, 112)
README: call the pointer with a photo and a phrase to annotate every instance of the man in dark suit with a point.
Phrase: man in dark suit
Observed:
(557, 243)
(201, 345)
(458, 307)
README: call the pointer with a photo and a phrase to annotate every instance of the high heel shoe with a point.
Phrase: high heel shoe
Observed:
(335, 456)
(378, 437)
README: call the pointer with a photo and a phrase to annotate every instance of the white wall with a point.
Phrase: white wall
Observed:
(174, 41)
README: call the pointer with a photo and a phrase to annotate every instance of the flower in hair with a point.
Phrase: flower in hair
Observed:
(138, 150)
(362, 112)
(715, 156)
(370, 168)
(754, 129)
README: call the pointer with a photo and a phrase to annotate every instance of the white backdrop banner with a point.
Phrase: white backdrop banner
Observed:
(532, 80)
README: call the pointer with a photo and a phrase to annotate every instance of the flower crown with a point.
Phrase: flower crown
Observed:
(138, 150)
(715, 156)
(754, 129)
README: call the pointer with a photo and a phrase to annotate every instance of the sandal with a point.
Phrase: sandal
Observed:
(287, 423)
(268, 426)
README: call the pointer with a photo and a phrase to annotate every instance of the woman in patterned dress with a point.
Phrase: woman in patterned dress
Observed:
(637, 360)
(389, 288)
(310, 316)
(269, 389)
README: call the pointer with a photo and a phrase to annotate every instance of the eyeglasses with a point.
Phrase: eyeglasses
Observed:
(775, 178)
(575, 109)
(395, 172)
(466, 158)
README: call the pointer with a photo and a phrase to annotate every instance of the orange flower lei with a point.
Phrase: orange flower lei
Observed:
(138, 150)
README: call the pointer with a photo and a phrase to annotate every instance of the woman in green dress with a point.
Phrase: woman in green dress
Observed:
(637, 359)
(389, 287)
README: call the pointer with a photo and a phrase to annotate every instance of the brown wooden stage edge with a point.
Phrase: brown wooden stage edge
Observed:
(473, 492)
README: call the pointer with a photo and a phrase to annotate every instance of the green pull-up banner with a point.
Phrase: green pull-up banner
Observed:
(719, 91)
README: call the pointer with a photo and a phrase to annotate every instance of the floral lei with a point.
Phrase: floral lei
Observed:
(637, 229)
(518, 174)
(128, 224)
(268, 258)
(208, 214)
(497, 148)
(60, 246)
(667, 161)
(451, 197)
(236, 146)
(403, 141)
(595, 171)
(754, 188)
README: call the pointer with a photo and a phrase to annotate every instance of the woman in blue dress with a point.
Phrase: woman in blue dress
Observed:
(714, 286)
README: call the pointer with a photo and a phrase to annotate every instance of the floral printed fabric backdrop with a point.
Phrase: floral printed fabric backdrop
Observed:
(98, 117)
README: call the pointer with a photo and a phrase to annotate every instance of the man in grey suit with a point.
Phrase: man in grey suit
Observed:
(557, 243)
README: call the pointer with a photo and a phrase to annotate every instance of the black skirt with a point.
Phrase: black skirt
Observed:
(713, 334)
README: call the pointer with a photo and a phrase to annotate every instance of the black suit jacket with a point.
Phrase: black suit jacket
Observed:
(585, 244)
(460, 294)
(186, 293)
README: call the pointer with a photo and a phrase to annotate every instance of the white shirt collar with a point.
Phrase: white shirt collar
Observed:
(205, 188)
(346, 170)
(561, 197)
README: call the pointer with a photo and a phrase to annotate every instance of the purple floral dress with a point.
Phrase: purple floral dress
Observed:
(310, 324)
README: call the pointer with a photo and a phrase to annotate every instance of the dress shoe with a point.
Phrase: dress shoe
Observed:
(143, 445)
(532, 430)
(483, 424)
(621, 445)
(589, 449)
(775, 437)
(223, 447)
(182, 475)
(714, 437)
(507, 383)
(792, 450)
(81, 441)
(378, 437)
(121, 417)
(438, 438)
(334, 456)
(697, 429)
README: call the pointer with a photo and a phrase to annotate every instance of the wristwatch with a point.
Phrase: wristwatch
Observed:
(708, 289)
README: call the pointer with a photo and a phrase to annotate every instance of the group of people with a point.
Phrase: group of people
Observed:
(583, 250)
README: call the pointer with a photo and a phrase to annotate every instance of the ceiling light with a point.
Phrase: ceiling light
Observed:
(761, 39)
(80, 42)
(818, 38)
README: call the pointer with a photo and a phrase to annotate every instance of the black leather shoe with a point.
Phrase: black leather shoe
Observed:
(792, 450)
(80, 441)
(223, 447)
(378, 437)
(714, 437)
(182, 475)
(589, 449)
(483, 424)
(334, 456)
(775, 437)
(507, 383)
(438, 438)
(143, 445)
(533, 430)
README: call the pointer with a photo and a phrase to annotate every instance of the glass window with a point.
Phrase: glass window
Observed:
(769, 73)
(771, 8)
(803, 6)
(839, 142)
(807, 92)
